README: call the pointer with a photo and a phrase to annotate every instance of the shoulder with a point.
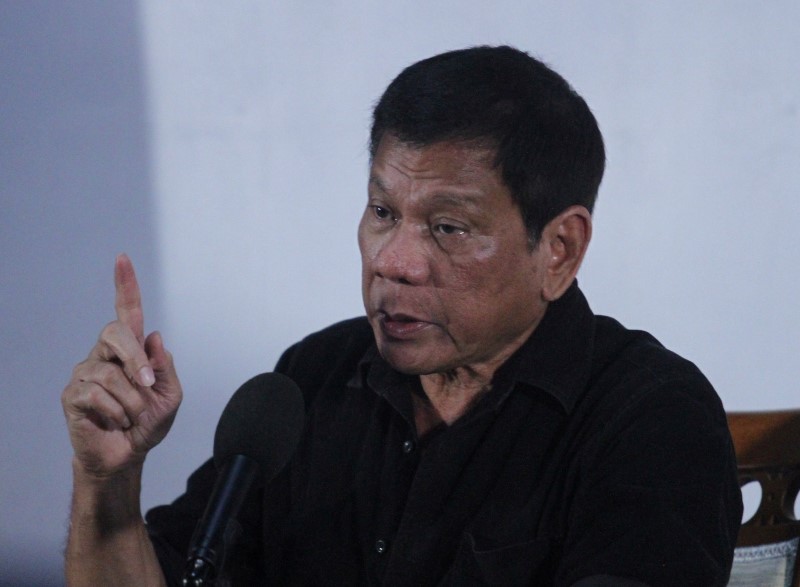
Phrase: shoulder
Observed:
(652, 416)
(347, 336)
(635, 365)
(328, 356)
(652, 443)
(646, 399)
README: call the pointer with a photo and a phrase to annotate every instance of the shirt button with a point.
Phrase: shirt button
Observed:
(408, 446)
(380, 546)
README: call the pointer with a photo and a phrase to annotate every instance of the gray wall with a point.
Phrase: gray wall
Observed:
(223, 147)
(75, 188)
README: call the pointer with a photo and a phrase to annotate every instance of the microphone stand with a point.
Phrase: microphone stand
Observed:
(205, 561)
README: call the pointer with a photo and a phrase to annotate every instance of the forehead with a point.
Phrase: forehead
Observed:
(456, 165)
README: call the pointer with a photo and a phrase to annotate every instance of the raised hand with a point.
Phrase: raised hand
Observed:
(121, 401)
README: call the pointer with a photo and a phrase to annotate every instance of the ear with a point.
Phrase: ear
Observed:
(564, 240)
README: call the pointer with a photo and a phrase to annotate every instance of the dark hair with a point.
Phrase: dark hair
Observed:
(547, 144)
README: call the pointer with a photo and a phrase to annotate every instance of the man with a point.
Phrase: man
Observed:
(480, 425)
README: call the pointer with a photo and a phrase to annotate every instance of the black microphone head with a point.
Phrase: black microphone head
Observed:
(263, 420)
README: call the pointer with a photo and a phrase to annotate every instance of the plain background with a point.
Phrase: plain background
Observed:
(223, 146)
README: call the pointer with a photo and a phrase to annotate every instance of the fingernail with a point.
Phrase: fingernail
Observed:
(146, 376)
(126, 423)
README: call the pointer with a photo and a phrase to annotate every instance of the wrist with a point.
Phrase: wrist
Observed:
(110, 502)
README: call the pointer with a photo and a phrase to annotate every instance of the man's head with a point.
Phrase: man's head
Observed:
(485, 165)
(545, 140)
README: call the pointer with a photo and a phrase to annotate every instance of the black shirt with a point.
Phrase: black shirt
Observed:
(596, 454)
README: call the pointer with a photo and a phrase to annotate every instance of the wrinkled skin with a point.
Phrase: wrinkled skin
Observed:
(451, 283)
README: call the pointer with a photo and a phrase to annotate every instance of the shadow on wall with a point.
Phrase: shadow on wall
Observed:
(74, 191)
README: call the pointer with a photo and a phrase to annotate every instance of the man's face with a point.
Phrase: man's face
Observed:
(449, 279)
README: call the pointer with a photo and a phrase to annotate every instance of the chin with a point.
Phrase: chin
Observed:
(408, 361)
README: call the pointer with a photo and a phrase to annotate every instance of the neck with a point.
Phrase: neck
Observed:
(450, 395)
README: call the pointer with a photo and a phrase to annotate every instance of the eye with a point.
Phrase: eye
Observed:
(381, 213)
(449, 229)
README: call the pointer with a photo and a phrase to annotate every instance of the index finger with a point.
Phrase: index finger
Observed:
(128, 302)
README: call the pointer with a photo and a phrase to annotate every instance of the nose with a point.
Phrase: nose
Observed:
(401, 256)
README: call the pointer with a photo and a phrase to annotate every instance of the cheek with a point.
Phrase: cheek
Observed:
(467, 298)
(366, 246)
(486, 251)
(370, 240)
(478, 273)
(490, 288)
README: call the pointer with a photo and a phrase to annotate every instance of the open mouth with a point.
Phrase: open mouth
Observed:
(401, 326)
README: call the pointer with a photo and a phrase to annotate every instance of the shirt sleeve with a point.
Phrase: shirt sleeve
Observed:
(171, 526)
(657, 500)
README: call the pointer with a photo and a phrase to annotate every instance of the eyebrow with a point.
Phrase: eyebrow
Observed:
(456, 199)
(376, 181)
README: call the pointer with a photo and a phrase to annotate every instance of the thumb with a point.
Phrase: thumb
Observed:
(163, 366)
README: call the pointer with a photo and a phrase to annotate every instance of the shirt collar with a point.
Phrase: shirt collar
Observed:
(556, 359)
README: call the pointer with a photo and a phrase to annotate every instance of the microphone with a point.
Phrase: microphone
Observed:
(256, 436)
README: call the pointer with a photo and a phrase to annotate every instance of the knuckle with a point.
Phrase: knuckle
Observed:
(117, 344)
(109, 375)
(92, 396)
(110, 331)
(78, 397)
(78, 370)
(67, 394)
(98, 400)
(79, 377)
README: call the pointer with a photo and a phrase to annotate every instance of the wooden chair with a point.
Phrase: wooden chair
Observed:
(768, 452)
